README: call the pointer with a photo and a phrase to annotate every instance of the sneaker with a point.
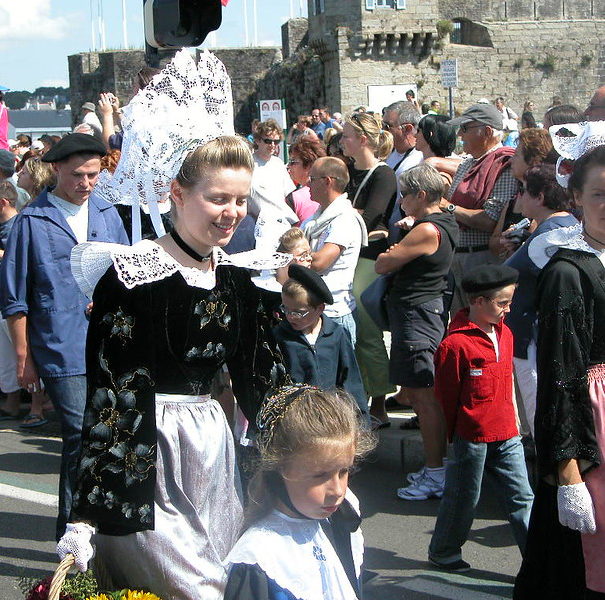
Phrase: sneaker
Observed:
(412, 477)
(458, 566)
(415, 476)
(423, 488)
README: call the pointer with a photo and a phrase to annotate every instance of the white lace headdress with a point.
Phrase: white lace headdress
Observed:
(573, 140)
(184, 106)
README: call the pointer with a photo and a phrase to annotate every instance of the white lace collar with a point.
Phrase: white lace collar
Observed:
(146, 262)
(298, 556)
(544, 246)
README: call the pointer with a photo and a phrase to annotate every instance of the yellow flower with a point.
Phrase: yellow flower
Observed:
(134, 595)
(98, 597)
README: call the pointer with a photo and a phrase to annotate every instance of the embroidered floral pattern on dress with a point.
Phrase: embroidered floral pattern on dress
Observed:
(113, 413)
(121, 324)
(99, 497)
(213, 308)
(133, 460)
(210, 351)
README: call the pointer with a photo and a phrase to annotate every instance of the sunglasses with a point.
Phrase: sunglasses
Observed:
(355, 117)
(270, 142)
(388, 126)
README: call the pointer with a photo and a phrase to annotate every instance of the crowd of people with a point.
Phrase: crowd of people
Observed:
(216, 381)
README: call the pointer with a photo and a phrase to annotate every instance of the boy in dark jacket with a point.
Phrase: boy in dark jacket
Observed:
(474, 383)
(316, 349)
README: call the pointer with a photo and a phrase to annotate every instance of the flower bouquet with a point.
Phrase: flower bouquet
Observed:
(82, 586)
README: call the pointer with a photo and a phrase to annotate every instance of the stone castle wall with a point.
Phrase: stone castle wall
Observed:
(519, 49)
(527, 60)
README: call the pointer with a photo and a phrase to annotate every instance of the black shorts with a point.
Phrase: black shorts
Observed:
(416, 331)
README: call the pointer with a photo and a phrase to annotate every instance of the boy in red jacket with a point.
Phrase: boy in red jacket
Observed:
(474, 383)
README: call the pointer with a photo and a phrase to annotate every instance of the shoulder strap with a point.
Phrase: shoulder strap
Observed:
(365, 180)
(402, 159)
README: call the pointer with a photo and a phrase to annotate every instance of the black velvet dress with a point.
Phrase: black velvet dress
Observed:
(157, 463)
(571, 304)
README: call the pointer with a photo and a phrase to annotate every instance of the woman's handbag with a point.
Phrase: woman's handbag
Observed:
(373, 299)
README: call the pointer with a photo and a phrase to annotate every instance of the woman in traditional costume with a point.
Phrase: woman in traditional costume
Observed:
(566, 541)
(157, 477)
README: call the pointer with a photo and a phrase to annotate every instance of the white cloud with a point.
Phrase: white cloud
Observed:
(31, 20)
(268, 43)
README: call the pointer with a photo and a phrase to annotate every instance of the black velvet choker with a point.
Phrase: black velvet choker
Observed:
(178, 240)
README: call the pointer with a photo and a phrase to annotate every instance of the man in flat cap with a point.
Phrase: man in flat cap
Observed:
(481, 189)
(39, 297)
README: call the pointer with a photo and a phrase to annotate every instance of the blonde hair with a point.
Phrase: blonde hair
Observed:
(370, 126)
(42, 175)
(294, 289)
(307, 419)
(290, 239)
(224, 152)
(329, 133)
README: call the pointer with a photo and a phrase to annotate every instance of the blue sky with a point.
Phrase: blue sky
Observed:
(38, 35)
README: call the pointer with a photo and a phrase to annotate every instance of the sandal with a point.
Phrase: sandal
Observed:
(32, 421)
(412, 423)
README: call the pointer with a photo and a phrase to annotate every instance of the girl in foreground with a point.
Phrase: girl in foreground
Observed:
(303, 539)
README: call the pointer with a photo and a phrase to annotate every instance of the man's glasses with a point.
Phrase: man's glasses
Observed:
(295, 314)
(466, 127)
(270, 142)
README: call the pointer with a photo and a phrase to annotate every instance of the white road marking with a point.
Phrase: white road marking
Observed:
(10, 491)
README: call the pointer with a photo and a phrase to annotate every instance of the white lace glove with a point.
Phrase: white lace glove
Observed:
(576, 510)
(76, 541)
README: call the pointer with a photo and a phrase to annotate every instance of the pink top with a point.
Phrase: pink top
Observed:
(304, 207)
(3, 127)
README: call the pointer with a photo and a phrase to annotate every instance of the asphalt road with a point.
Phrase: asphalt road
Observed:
(397, 533)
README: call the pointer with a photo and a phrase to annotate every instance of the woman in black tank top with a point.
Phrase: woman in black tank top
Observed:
(419, 264)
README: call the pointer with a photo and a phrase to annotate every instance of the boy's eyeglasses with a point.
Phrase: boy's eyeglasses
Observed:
(501, 303)
(295, 314)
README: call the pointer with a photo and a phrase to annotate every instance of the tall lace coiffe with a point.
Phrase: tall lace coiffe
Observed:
(184, 106)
